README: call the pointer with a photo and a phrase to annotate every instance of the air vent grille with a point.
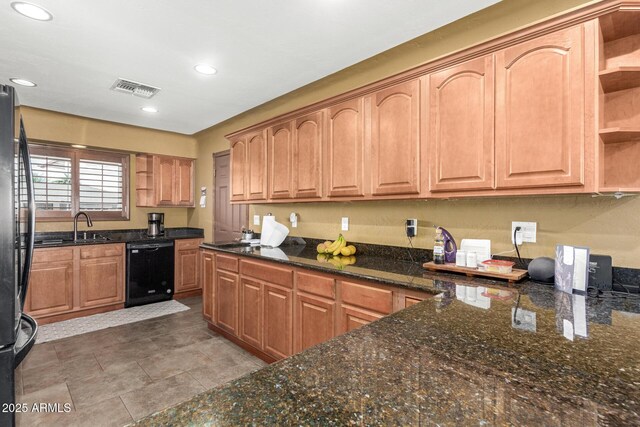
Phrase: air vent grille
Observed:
(134, 88)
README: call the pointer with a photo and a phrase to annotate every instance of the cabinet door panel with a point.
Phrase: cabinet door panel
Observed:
(314, 321)
(207, 278)
(257, 166)
(461, 127)
(540, 111)
(226, 309)
(307, 152)
(395, 139)
(184, 182)
(278, 314)
(186, 270)
(101, 281)
(345, 149)
(165, 181)
(352, 318)
(251, 326)
(280, 161)
(238, 169)
(50, 288)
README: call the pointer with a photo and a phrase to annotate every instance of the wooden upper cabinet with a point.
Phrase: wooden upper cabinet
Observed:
(345, 149)
(257, 166)
(238, 168)
(184, 186)
(460, 118)
(307, 156)
(165, 180)
(395, 139)
(280, 161)
(540, 99)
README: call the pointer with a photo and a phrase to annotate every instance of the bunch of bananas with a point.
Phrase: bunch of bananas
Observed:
(337, 247)
(338, 261)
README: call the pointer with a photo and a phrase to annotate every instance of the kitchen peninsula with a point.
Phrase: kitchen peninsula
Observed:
(476, 353)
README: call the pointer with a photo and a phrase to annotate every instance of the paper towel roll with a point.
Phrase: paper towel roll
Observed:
(268, 225)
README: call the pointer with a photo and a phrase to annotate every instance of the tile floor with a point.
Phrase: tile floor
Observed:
(119, 375)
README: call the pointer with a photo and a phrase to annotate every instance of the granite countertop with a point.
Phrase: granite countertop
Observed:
(476, 354)
(377, 268)
(65, 238)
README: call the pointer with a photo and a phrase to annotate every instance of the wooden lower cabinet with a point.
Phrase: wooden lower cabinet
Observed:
(207, 277)
(227, 301)
(251, 309)
(186, 281)
(275, 310)
(353, 317)
(314, 321)
(75, 281)
(101, 281)
(50, 288)
(278, 321)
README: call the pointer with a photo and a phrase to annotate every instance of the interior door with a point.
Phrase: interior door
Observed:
(228, 219)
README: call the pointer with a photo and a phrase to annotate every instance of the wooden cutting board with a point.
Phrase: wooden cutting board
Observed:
(515, 275)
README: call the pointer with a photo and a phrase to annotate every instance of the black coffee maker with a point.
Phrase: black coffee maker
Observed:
(155, 226)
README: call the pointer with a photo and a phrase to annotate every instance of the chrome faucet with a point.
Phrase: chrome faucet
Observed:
(75, 224)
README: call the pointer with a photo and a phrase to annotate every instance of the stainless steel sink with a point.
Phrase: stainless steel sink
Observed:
(95, 238)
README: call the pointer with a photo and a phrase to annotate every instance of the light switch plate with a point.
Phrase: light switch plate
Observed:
(256, 220)
(345, 223)
(527, 233)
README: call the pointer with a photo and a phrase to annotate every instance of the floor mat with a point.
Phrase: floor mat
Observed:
(82, 325)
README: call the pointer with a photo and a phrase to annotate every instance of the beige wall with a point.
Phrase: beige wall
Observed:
(603, 223)
(44, 125)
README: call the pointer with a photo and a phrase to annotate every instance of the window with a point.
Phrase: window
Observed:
(67, 181)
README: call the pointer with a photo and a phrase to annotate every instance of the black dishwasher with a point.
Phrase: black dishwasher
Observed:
(149, 272)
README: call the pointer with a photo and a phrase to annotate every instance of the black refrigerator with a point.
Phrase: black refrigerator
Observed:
(17, 228)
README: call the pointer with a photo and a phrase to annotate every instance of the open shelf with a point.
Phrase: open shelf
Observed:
(619, 25)
(619, 170)
(620, 78)
(619, 134)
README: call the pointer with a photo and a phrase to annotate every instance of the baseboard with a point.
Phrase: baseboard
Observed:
(237, 341)
(78, 313)
(187, 294)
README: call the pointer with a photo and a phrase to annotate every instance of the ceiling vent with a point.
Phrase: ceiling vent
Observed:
(134, 88)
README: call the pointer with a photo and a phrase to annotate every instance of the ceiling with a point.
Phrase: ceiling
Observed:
(262, 49)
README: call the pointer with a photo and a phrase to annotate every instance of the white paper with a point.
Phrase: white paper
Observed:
(567, 329)
(567, 258)
(580, 269)
(580, 315)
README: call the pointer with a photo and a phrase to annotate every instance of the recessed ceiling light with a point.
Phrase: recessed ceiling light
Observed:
(32, 11)
(23, 82)
(205, 69)
(149, 109)
(78, 146)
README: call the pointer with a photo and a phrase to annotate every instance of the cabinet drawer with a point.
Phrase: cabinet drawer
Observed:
(52, 255)
(226, 262)
(269, 273)
(316, 284)
(101, 251)
(186, 244)
(369, 297)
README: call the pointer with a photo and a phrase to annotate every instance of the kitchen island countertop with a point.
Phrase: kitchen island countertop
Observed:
(475, 354)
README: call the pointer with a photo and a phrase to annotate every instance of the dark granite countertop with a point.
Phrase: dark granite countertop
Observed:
(472, 355)
(65, 238)
(388, 270)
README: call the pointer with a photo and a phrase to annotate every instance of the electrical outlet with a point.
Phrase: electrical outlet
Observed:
(256, 220)
(411, 227)
(345, 223)
(527, 233)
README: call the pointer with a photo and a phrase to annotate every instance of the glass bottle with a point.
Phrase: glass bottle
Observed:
(438, 247)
